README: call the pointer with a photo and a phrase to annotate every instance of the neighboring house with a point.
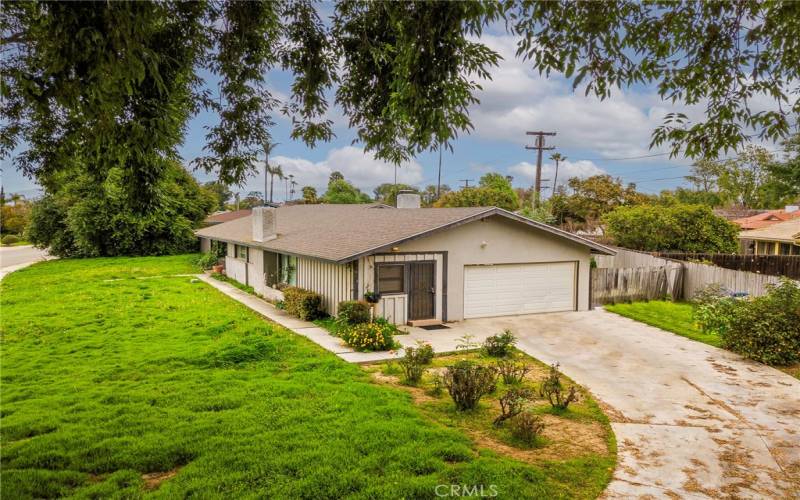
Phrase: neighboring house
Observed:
(768, 218)
(428, 264)
(732, 214)
(782, 238)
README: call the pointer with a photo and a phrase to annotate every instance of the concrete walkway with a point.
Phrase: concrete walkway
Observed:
(691, 421)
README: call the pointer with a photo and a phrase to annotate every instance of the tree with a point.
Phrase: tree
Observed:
(341, 191)
(704, 175)
(309, 195)
(597, 195)
(387, 192)
(740, 180)
(716, 53)
(88, 219)
(679, 228)
(14, 218)
(253, 199)
(479, 197)
(221, 191)
(335, 176)
(783, 183)
(685, 196)
(429, 193)
(112, 85)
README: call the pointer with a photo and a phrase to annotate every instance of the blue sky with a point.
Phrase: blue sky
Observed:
(592, 134)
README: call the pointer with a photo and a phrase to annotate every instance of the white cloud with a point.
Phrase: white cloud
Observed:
(519, 99)
(358, 167)
(524, 173)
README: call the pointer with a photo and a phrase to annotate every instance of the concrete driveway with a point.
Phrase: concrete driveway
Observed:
(14, 258)
(691, 421)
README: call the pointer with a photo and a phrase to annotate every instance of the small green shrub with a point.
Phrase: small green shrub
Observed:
(425, 352)
(414, 361)
(369, 336)
(304, 304)
(437, 386)
(10, 239)
(767, 328)
(467, 382)
(207, 260)
(527, 427)
(554, 390)
(353, 312)
(512, 403)
(499, 346)
(512, 372)
(712, 308)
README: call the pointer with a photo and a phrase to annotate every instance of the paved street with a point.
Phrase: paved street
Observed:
(13, 258)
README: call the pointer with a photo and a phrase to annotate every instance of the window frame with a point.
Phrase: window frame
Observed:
(236, 249)
(290, 262)
(403, 278)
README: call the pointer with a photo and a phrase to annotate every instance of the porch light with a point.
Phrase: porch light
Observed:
(395, 249)
(483, 244)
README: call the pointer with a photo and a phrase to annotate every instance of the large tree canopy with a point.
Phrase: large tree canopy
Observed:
(112, 85)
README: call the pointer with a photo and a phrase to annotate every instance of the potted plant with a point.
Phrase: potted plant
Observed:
(218, 268)
(372, 297)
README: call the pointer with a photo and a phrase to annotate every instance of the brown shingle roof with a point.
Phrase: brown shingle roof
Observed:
(221, 217)
(341, 233)
(787, 232)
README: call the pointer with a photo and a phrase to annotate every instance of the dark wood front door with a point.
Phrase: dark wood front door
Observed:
(422, 288)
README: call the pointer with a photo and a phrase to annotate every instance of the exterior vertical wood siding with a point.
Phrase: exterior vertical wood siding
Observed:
(333, 281)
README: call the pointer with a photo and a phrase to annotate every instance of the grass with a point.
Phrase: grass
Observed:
(114, 386)
(675, 317)
(17, 244)
(241, 286)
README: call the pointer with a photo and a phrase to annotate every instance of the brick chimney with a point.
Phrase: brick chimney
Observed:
(264, 223)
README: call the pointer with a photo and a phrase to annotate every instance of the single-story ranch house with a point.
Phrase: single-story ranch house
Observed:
(428, 264)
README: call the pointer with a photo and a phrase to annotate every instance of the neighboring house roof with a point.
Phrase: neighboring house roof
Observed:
(220, 217)
(738, 213)
(786, 232)
(765, 219)
(342, 233)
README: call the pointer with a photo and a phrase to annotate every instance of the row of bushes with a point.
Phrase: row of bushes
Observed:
(766, 328)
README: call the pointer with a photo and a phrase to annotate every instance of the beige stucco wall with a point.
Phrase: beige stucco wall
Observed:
(205, 245)
(506, 242)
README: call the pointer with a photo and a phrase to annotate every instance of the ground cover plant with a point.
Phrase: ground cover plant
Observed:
(122, 379)
(575, 444)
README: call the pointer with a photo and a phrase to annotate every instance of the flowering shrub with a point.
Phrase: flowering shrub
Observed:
(352, 312)
(375, 336)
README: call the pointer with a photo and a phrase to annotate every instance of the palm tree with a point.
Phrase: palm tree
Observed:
(275, 171)
(557, 157)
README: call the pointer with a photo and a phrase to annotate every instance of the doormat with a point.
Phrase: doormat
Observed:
(435, 327)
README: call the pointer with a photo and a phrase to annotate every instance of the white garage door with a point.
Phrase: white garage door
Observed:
(505, 289)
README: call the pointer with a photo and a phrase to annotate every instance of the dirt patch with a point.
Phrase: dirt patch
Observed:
(417, 394)
(567, 439)
(153, 480)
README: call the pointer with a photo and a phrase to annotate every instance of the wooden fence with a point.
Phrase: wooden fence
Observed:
(632, 275)
(775, 265)
(611, 285)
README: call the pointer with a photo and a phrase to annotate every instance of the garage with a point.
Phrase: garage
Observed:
(506, 289)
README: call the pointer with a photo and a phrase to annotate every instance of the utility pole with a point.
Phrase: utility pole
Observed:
(539, 147)
(466, 182)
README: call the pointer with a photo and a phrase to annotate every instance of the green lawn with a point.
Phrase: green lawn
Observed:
(675, 317)
(117, 386)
